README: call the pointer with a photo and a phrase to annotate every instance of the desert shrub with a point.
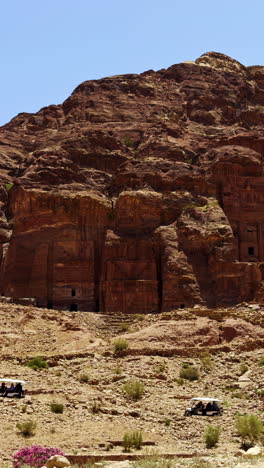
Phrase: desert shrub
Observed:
(137, 439)
(37, 363)
(120, 345)
(189, 206)
(117, 370)
(226, 403)
(8, 186)
(127, 442)
(27, 428)
(239, 394)
(186, 364)
(189, 373)
(153, 461)
(57, 408)
(127, 141)
(35, 456)
(95, 407)
(138, 317)
(211, 436)
(160, 367)
(200, 463)
(231, 388)
(84, 378)
(261, 361)
(261, 392)
(250, 429)
(167, 422)
(123, 327)
(206, 361)
(179, 381)
(243, 368)
(134, 389)
(132, 439)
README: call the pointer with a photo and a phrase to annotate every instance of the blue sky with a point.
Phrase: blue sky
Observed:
(48, 47)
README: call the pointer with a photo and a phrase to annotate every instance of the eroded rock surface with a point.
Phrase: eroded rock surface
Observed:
(139, 193)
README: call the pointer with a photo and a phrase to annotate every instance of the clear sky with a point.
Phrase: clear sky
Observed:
(48, 47)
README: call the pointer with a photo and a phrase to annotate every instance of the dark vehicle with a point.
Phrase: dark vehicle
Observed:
(204, 407)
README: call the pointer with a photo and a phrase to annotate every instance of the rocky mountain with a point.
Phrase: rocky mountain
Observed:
(140, 193)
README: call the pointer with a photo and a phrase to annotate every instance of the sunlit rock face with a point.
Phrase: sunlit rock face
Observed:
(140, 193)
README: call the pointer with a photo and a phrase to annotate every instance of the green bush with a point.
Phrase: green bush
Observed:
(231, 388)
(127, 141)
(211, 436)
(226, 403)
(206, 361)
(189, 373)
(239, 394)
(179, 381)
(154, 460)
(249, 428)
(127, 442)
(37, 363)
(160, 367)
(186, 364)
(134, 389)
(117, 370)
(95, 407)
(120, 345)
(138, 317)
(132, 439)
(123, 327)
(57, 408)
(243, 368)
(84, 378)
(8, 186)
(261, 361)
(260, 392)
(27, 428)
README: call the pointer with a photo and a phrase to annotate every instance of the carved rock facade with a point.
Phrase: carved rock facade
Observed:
(140, 193)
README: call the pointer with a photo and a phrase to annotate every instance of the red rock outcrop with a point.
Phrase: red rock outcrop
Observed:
(191, 335)
(140, 193)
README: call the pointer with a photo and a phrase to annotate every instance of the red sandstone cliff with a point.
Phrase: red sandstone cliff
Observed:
(139, 193)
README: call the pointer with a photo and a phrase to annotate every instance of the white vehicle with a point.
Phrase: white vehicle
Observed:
(12, 388)
(202, 406)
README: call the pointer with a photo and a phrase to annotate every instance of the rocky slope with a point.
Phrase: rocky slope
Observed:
(140, 193)
(96, 411)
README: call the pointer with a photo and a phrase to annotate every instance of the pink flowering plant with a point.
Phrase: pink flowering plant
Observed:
(35, 456)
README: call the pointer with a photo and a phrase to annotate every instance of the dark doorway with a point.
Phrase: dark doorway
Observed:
(73, 292)
(49, 305)
(73, 308)
(182, 306)
(251, 251)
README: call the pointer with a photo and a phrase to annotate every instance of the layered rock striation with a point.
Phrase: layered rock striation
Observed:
(140, 193)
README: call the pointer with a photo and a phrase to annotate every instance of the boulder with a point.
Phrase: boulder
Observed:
(253, 452)
(57, 461)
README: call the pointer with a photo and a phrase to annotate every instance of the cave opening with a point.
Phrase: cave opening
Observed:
(49, 305)
(182, 306)
(73, 308)
(73, 292)
(251, 251)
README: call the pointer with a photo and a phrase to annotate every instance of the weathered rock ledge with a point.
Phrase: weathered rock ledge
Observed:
(139, 193)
